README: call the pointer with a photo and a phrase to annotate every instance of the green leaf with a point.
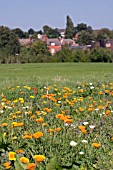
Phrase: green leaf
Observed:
(18, 165)
(0, 137)
(53, 165)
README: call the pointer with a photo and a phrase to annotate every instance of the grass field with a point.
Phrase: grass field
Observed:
(64, 73)
(56, 116)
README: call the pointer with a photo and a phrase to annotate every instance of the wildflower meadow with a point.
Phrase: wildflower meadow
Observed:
(52, 126)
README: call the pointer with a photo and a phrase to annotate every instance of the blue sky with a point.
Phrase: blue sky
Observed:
(35, 14)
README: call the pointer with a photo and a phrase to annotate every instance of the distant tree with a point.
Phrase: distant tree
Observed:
(25, 55)
(50, 32)
(40, 32)
(9, 44)
(101, 55)
(104, 34)
(80, 27)
(53, 33)
(65, 55)
(85, 37)
(20, 33)
(69, 28)
(39, 47)
(46, 28)
(31, 31)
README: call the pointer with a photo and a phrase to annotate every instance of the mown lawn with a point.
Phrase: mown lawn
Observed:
(64, 73)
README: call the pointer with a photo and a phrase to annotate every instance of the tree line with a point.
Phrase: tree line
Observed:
(11, 50)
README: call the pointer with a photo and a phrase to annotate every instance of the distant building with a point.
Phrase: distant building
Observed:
(62, 32)
(25, 42)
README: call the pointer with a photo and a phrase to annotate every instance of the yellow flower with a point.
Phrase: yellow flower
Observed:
(15, 101)
(39, 158)
(11, 156)
(24, 160)
(14, 138)
(4, 134)
(17, 86)
(32, 97)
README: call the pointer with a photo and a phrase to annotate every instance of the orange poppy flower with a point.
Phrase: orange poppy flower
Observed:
(81, 127)
(32, 117)
(4, 124)
(68, 121)
(80, 90)
(27, 136)
(11, 156)
(24, 160)
(51, 130)
(37, 135)
(96, 145)
(31, 166)
(21, 92)
(7, 164)
(59, 115)
(84, 131)
(58, 129)
(108, 112)
(40, 120)
(19, 151)
(39, 158)
(44, 124)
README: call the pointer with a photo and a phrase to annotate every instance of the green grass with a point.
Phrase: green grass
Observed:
(61, 73)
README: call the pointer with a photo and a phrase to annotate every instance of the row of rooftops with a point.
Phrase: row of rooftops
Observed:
(56, 44)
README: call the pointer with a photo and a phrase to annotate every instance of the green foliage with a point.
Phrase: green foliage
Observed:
(50, 32)
(65, 55)
(101, 55)
(20, 33)
(9, 44)
(53, 164)
(39, 47)
(31, 31)
(85, 37)
(104, 34)
(18, 165)
(69, 28)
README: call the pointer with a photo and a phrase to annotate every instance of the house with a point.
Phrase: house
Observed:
(25, 42)
(62, 32)
(54, 45)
